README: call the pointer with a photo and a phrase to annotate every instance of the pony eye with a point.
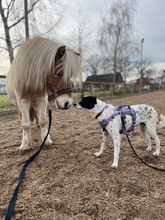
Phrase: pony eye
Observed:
(58, 74)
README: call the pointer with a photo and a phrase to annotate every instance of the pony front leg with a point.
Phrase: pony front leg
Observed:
(26, 140)
(41, 109)
(24, 106)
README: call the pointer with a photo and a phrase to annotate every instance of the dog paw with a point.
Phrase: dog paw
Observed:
(97, 154)
(114, 165)
(156, 154)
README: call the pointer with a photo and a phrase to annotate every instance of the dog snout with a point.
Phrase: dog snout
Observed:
(74, 104)
(77, 105)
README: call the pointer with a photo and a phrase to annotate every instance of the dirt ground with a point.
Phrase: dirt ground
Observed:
(67, 182)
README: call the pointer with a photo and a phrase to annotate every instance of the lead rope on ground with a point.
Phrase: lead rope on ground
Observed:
(149, 165)
(15, 193)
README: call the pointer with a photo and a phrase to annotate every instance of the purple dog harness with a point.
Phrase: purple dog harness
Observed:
(121, 110)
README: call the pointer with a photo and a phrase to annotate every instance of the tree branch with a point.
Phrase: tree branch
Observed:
(10, 7)
(22, 18)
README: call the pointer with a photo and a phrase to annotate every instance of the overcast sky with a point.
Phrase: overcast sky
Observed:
(149, 23)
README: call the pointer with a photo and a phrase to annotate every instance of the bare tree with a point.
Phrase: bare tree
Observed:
(116, 34)
(81, 31)
(127, 68)
(146, 68)
(94, 64)
(106, 65)
(12, 16)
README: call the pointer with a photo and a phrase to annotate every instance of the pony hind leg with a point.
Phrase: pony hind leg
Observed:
(24, 106)
(40, 111)
(33, 116)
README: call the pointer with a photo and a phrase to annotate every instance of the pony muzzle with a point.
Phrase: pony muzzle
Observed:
(63, 102)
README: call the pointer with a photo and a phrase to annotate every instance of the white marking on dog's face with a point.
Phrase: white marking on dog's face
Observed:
(88, 102)
(63, 102)
(77, 105)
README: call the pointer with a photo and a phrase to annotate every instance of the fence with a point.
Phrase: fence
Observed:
(100, 89)
(111, 89)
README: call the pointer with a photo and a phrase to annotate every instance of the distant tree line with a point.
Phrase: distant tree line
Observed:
(111, 47)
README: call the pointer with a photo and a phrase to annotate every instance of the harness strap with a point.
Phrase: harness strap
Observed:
(121, 110)
(105, 122)
(127, 110)
(54, 93)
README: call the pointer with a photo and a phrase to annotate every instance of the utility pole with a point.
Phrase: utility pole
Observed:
(26, 19)
(141, 72)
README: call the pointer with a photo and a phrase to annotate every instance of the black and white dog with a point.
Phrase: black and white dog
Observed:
(117, 120)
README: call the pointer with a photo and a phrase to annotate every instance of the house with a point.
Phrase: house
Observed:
(145, 82)
(106, 80)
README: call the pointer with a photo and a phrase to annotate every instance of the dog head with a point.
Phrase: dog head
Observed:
(88, 102)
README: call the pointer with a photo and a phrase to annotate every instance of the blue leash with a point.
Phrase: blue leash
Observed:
(14, 196)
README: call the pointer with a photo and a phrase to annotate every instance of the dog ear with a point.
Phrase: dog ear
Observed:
(94, 100)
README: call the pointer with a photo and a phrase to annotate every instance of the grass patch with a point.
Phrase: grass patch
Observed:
(4, 101)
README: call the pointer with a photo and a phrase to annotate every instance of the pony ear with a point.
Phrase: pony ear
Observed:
(61, 52)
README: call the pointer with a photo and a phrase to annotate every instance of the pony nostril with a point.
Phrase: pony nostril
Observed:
(66, 105)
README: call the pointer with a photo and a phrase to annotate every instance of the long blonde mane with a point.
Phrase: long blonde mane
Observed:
(33, 64)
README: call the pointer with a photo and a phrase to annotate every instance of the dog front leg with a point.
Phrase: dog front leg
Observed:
(103, 142)
(117, 142)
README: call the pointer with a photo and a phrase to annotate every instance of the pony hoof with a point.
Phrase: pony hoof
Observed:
(23, 152)
(25, 147)
(48, 141)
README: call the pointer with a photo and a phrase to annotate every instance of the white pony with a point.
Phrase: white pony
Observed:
(41, 72)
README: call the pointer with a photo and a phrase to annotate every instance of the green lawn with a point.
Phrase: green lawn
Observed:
(4, 101)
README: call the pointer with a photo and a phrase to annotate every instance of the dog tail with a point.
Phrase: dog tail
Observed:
(161, 123)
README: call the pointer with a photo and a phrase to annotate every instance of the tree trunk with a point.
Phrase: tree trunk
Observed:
(7, 35)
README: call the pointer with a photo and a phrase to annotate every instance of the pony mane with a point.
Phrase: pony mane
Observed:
(33, 64)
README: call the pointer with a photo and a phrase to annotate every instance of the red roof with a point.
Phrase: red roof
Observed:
(145, 81)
